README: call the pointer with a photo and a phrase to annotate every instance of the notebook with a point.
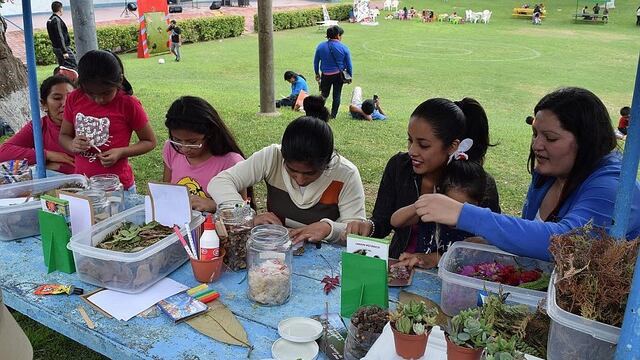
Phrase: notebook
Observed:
(181, 306)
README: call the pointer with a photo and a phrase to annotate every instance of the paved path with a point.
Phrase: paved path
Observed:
(113, 15)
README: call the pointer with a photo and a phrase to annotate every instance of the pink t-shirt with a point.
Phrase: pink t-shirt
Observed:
(196, 177)
(108, 126)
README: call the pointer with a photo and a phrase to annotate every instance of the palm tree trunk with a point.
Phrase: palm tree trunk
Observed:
(14, 93)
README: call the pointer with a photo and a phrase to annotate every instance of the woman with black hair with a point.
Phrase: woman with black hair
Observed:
(199, 147)
(298, 83)
(314, 106)
(436, 129)
(53, 95)
(576, 174)
(331, 58)
(309, 186)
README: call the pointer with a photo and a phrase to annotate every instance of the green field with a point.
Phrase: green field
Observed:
(508, 65)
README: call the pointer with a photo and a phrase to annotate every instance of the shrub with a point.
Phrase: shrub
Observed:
(306, 17)
(122, 38)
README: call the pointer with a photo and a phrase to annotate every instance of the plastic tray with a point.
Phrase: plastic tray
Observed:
(127, 272)
(574, 337)
(19, 221)
(460, 292)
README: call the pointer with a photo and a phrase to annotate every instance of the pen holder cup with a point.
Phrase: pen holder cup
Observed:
(206, 271)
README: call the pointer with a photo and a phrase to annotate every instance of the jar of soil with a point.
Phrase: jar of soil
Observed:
(238, 221)
(111, 185)
(365, 327)
(99, 203)
(269, 265)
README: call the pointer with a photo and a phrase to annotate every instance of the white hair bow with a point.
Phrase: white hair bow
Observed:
(460, 153)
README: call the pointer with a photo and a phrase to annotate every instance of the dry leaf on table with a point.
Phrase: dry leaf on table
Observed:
(405, 296)
(220, 324)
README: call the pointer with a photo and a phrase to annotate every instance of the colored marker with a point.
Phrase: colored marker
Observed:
(209, 298)
(191, 243)
(176, 229)
(196, 289)
(203, 293)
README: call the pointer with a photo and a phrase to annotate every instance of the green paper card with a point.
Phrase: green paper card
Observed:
(364, 282)
(55, 237)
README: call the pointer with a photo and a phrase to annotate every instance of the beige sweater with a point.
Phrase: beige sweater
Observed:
(336, 197)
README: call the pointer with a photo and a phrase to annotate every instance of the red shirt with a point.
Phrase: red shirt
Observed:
(623, 123)
(21, 146)
(108, 126)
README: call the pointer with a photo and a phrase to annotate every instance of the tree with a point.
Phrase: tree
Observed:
(14, 91)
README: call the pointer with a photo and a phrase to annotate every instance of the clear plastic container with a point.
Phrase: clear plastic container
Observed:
(238, 221)
(574, 337)
(99, 203)
(269, 265)
(460, 292)
(109, 183)
(127, 272)
(19, 221)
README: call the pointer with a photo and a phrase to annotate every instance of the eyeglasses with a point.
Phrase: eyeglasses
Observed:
(185, 146)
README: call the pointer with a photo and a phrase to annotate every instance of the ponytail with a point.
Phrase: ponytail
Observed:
(476, 128)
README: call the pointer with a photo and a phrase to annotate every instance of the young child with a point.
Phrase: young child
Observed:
(623, 123)
(298, 83)
(463, 181)
(199, 147)
(100, 117)
(176, 39)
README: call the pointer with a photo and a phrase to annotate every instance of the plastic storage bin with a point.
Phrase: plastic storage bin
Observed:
(574, 337)
(19, 221)
(460, 292)
(127, 272)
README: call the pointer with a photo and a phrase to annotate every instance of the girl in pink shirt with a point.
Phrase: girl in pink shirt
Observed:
(53, 94)
(199, 147)
(101, 116)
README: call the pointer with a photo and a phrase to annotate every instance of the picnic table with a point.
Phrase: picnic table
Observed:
(591, 18)
(527, 12)
(22, 270)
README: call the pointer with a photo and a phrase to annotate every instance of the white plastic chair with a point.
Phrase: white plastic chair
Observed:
(387, 5)
(327, 22)
(373, 13)
(476, 16)
(467, 15)
(486, 15)
(395, 4)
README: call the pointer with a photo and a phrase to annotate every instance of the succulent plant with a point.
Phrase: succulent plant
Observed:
(499, 348)
(469, 329)
(414, 318)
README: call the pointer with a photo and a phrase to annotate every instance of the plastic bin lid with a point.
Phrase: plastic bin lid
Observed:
(300, 329)
(598, 330)
(286, 350)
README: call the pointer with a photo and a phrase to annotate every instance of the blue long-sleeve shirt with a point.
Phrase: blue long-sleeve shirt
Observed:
(323, 60)
(593, 199)
(299, 84)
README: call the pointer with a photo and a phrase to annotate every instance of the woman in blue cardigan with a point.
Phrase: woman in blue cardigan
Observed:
(576, 173)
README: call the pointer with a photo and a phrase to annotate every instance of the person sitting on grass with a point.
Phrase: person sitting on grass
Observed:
(368, 109)
(623, 123)
(314, 106)
(298, 82)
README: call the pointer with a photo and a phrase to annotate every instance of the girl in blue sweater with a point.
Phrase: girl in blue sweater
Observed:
(576, 173)
(298, 83)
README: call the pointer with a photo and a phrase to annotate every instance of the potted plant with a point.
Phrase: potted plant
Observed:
(467, 335)
(411, 324)
(499, 348)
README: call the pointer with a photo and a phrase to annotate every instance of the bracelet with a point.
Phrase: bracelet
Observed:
(373, 226)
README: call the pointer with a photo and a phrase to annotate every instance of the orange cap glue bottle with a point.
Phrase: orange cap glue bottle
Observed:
(209, 241)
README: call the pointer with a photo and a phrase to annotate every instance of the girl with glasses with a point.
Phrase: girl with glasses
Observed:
(199, 147)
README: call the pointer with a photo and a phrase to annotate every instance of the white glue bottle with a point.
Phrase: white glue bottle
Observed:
(209, 241)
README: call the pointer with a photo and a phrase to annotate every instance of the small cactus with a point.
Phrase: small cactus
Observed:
(414, 318)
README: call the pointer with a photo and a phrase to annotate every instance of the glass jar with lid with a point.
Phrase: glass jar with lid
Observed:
(269, 265)
(238, 221)
(99, 203)
(111, 185)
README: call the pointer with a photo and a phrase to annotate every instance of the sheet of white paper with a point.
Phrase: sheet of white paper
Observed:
(13, 201)
(148, 209)
(79, 213)
(170, 204)
(124, 306)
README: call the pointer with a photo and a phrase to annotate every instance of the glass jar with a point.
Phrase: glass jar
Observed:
(99, 203)
(238, 221)
(109, 183)
(269, 264)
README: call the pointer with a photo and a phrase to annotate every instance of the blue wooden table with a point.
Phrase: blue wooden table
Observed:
(22, 270)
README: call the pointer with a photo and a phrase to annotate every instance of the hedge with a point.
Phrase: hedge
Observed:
(121, 38)
(306, 17)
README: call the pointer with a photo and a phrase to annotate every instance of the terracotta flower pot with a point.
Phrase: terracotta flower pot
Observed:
(457, 352)
(410, 346)
(209, 270)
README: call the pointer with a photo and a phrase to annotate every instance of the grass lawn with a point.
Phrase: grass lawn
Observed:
(508, 65)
